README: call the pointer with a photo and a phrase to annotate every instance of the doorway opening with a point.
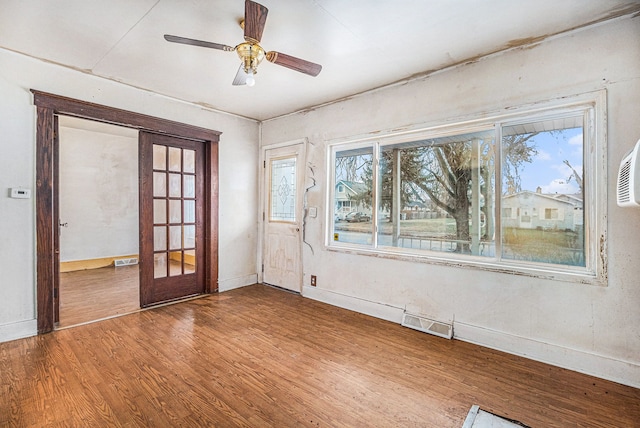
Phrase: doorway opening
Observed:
(98, 206)
(188, 140)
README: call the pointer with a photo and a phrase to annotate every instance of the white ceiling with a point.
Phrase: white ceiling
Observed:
(361, 44)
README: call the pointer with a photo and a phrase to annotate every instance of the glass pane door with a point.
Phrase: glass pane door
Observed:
(174, 216)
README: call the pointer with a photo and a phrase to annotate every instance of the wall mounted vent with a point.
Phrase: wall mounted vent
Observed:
(125, 262)
(437, 328)
(628, 194)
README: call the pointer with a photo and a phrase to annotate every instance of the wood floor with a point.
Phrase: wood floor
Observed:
(94, 294)
(261, 357)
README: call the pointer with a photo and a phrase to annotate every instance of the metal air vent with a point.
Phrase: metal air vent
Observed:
(437, 328)
(125, 262)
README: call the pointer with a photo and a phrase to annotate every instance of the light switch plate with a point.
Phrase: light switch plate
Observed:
(313, 212)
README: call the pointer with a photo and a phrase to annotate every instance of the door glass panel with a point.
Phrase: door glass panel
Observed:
(189, 186)
(159, 184)
(160, 265)
(159, 238)
(189, 160)
(175, 237)
(174, 159)
(159, 157)
(189, 211)
(175, 266)
(175, 186)
(159, 211)
(175, 211)
(282, 206)
(189, 237)
(189, 261)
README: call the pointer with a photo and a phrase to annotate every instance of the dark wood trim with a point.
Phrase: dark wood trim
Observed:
(86, 110)
(56, 221)
(145, 249)
(211, 241)
(44, 218)
(50, 105)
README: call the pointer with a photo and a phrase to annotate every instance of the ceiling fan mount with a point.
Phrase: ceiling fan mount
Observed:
(251, 55)
(250, 52)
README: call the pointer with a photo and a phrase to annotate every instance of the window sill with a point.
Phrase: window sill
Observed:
(476, 263)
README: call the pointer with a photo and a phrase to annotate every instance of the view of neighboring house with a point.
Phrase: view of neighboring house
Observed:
(346, 198)
(533, 210)
(349, 196)
(525, 209)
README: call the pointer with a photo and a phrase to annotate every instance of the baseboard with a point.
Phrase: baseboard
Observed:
(623, 372)
(232, 283)
(18, 330)
(73, 265)
(367, 307)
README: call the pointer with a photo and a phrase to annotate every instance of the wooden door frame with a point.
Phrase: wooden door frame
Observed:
(48, 106)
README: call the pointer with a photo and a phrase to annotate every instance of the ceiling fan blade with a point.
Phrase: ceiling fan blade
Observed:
(241, 77)
(193, 42)
(255, 17)
(297, 64)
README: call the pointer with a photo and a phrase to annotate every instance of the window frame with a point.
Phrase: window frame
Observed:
(593, 107)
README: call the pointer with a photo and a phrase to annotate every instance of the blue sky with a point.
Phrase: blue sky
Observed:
(548, 170)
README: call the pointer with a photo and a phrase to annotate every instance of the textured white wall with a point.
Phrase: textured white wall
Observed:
(238, 176)
(584, 327)
(98, 194)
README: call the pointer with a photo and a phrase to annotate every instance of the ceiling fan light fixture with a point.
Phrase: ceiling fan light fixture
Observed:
(250, 81)
(250, 52)
(251, 55)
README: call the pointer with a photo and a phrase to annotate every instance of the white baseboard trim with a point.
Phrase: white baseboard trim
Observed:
(18, 330)
(624, 372)
(232, 283)
(367, 307)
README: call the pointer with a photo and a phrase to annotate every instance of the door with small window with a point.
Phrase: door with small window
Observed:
(171, 218)
(282, 212)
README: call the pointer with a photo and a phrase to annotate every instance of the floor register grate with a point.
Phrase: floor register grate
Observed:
(478, 418)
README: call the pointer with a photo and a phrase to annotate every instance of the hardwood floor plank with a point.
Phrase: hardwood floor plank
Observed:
(95, 294)
(257, 356)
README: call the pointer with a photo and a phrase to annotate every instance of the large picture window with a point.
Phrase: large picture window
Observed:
(436, 194)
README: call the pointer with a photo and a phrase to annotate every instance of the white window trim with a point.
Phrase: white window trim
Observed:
(594, 177)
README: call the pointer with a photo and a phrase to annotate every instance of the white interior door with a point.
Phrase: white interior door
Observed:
(283, 209)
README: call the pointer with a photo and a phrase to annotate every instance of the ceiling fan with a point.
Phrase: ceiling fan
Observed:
(250, 51)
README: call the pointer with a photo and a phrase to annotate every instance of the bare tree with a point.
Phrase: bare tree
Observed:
(516, 150)
(443, 173)
(575, 175)
(350, 168)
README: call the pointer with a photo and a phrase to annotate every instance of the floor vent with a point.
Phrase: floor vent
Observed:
(125, 262)
(426, 325)
(478, 418)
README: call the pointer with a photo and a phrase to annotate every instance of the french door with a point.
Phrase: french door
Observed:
(171, 218)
